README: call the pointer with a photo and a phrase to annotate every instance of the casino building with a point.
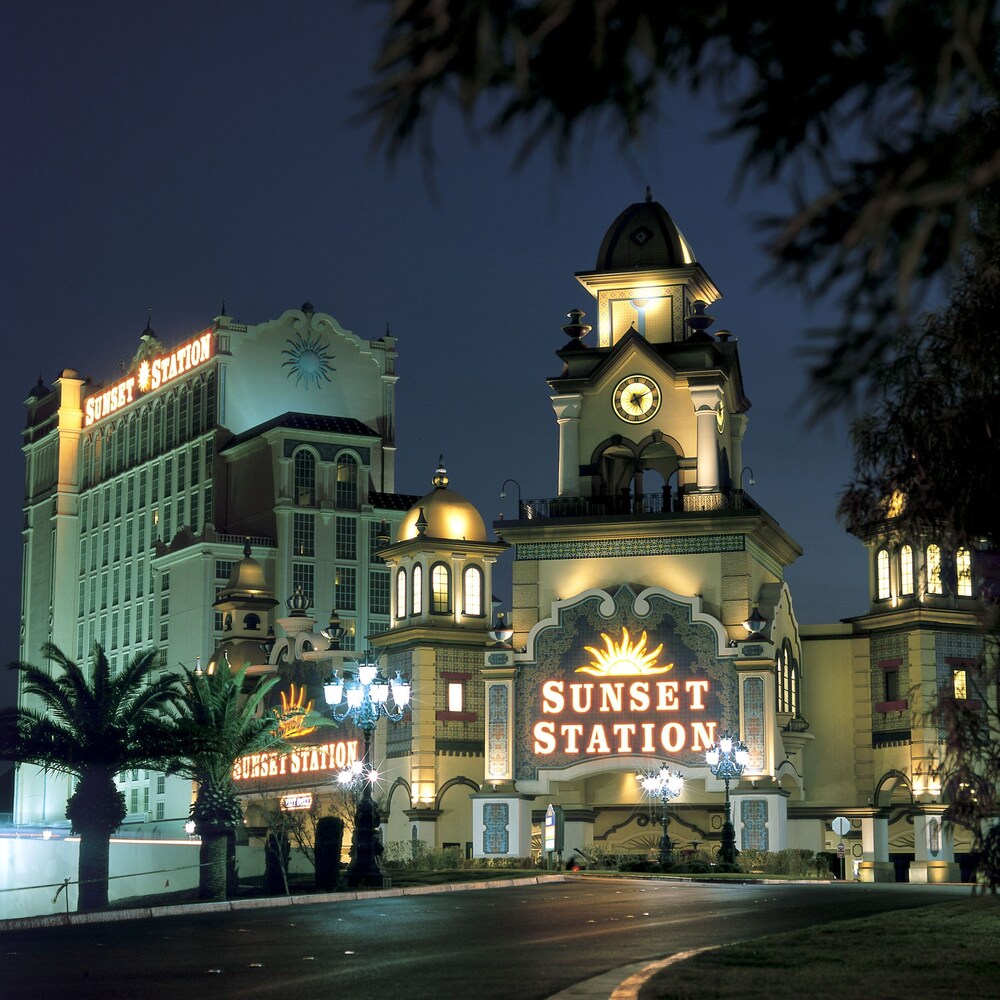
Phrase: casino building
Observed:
(650, 610)
(143, 493)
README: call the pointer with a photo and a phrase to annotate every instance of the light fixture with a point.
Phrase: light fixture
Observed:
(727, 758)
(755, 624)
(663, 784)
(501, 632)
(751, 481)
(364, 699)
(503, 495)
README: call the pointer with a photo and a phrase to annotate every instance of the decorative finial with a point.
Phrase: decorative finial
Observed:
(298, 603)
(699, 321)
(223, 313)
(440, 479)
(307, 308)
(649, 195)
(421, 523)
(149, 320)
(246, 547)
(575, 329)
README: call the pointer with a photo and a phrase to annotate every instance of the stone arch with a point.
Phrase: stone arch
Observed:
(887, 790)
(615, 461)
(399, 783)
(451, 783)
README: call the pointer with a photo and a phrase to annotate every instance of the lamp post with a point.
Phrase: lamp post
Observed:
(665, 785)
(727, 758)
(364, 699)
(503, 494)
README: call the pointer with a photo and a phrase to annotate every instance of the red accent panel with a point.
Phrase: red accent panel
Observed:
(456, 716)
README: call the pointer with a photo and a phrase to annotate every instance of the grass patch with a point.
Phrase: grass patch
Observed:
(937, 951)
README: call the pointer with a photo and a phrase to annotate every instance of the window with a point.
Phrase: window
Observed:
(303, 534)
(347, 483)
(378, 592)
(160, 810)
(882, 575)
(400, 593)
(456, 696)
(934, 569)
(305, 479)
(963, 572)
(891, 679)
(303, 575)
(161, 784)
(347, 538)
(134, 799)
(472, 591)
(417, 590)
(960, 684)
(440, 589)
(346, 588)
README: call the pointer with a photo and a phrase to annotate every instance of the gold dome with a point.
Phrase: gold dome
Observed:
(442, 513)
(246, 580)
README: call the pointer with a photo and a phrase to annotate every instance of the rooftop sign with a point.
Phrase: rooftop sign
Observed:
(152, 374)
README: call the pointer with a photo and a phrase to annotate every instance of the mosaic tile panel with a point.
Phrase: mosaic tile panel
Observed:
(753, 723)
(753, 821)
(681, 545)
(889, 647)
(496, 832)
(498, 746)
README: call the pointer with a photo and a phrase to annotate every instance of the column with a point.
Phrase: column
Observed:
(875, 864)
(567, 410)
(933, 850)
(706, 400)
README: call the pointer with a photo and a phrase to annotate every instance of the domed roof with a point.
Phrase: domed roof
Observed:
(644, 238)
(442, 513)
(246, 580)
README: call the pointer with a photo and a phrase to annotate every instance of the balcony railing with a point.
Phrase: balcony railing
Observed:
(668, 503)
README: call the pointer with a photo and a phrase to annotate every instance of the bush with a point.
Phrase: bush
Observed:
(795, 862)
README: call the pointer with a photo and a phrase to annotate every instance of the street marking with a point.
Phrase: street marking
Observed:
(630, 988)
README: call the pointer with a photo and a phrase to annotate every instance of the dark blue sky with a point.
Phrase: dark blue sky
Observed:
(175, 156)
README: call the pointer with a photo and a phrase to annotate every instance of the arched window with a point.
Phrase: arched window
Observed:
(963, 572)
(781, 688)
(934, 569)
(305, 478)
(401, 593)
(251, 622)
(882, 575)
(906, 570)
(417, 590)
(347, 482)
(440, 589)
(472, 592)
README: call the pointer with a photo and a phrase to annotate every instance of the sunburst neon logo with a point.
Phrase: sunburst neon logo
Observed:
(144, 376)
(308, 360)
(623, 659)
(294, 709)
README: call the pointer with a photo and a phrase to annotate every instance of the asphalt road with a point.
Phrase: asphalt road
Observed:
(526, 942)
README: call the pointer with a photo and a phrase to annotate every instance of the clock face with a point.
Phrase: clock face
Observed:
(636, 398)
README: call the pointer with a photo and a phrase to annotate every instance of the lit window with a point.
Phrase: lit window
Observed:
(933, 569)
(882, 575)
(401, 593)
(963, 568)
(906, 570)
(472, 591)
(440, 589)
(303, 534)
(456, 696)
(960, 684)
(417, 590)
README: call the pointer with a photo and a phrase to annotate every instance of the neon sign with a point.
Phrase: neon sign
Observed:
(304, 760)
(296, 801)
(631, 709)
(150, 376)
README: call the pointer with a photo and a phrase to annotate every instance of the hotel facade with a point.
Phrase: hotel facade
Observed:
(650, 611)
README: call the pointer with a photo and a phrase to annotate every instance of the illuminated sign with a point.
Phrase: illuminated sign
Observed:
(296, 801)
(323, 757)
(294, 710)
(152, 374)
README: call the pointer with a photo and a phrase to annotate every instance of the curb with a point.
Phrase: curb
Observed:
(259, 903)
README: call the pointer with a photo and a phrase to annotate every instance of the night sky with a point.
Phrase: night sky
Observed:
(170, 157)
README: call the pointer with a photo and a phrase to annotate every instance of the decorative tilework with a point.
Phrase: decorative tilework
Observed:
(499, 747)
(680, 545)
(884, 647)
(753, 723)
(496, 833)
(753, 820)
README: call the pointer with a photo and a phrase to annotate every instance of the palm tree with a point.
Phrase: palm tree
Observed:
(218, 725)
(93, 725)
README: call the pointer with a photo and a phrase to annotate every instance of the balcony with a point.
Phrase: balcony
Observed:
(668, 503)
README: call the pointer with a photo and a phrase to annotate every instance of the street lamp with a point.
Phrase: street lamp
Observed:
(727, 758)
(364, 699)
(503, 494)
(665, 785)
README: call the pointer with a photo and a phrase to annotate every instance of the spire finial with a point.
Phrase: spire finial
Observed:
(223, 313)
(246, 547)
(440, 479)
(421, 522)
(649, 195)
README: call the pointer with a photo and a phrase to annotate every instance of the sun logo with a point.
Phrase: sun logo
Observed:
(625, 658)
(144, 376)
(293, 713)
